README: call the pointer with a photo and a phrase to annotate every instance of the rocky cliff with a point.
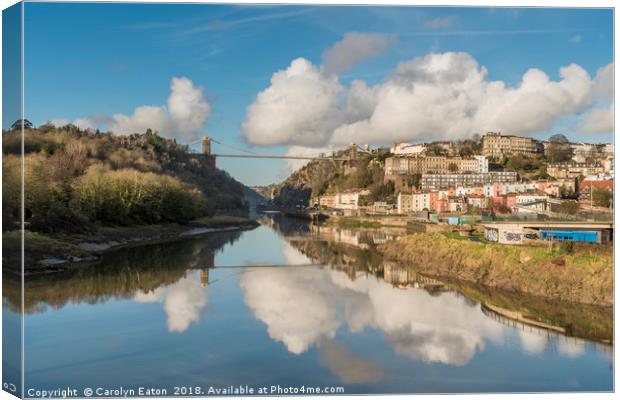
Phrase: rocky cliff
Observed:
(317, 177)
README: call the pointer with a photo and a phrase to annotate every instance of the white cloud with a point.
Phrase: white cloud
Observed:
(300, 107)
(348, 366)
(533, 342)
(301, 151)
(449, 96)
(184, 115)
(571, 347)
(437, 96)
(143, 117)
(82, 123)
(58, 122)
(598, 120)
(604, 83)
(187, 107)
(441, 23)
(441, 329)
(575, 39)
(295, 306)
(352, 49)
(183, 301)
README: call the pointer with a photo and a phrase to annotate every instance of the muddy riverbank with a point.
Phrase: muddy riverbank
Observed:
(48, 254)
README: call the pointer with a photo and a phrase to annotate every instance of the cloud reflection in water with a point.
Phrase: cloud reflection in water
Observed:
(183, 301)
(304, 306)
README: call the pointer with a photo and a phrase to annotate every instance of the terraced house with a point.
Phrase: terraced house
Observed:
(497, 145)
(403, 165)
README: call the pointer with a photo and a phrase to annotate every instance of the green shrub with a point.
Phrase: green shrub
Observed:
(602, 197)
(59, 218)
(568, 247)
(11, 182)
(127, 196)
(569, 207)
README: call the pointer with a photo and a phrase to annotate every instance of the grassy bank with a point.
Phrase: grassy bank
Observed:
(53, 253)
(351, 222)
(366, 222)
(583, 275)
(38, 247)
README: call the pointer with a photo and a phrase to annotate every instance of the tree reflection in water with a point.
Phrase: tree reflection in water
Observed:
(126, 273)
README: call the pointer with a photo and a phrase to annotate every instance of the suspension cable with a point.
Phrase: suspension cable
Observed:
(262, 154)
(234, 147)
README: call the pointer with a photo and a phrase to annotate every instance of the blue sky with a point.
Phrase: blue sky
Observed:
(11, 64)
(97, 60)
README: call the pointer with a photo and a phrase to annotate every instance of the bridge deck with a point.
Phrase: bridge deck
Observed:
(282, 157)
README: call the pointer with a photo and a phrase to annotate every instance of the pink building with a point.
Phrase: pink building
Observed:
(506, 200)
(439, 201)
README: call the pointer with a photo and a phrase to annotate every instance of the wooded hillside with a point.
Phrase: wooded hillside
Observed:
(76, 180)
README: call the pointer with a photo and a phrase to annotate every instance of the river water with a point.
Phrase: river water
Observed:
(291, 305)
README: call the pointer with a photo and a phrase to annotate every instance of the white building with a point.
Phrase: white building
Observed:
(517, 188)
(456, 204)
(469, 190)
(483, 164)
(420, 201)
(407, 149)
(584, 149)
(530, 198)
(349, 200)
(477, 200)
(531, 201)
(443, 194)
(491, 190)
(444, 181)
(608, 165)
(396, 166)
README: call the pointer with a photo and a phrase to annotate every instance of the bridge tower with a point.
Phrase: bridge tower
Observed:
(349, 166)
(206, 151)
(204, 278)
(353, 151)
(206, 145)
(209, 263)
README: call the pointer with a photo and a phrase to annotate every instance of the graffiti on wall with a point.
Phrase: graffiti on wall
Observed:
(512, 236)
(491, 235)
